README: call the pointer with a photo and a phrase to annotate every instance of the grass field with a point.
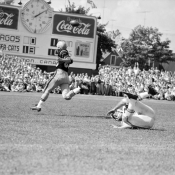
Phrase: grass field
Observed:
(74, 138)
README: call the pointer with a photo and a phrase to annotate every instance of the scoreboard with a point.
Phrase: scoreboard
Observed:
(32, 32)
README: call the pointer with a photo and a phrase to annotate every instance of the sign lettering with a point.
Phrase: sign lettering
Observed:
(9, 38)
(82, 29)
(62, 26)
(41, 61)
(8, 17)
(9, 47)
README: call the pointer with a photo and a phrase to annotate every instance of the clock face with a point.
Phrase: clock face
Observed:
(36, 16)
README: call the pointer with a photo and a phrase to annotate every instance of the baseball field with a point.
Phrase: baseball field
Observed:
(75, 138)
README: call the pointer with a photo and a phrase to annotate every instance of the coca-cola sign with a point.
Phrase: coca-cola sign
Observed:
(62, 26)
(9, 17)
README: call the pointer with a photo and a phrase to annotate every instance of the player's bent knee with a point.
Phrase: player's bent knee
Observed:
(152, 123)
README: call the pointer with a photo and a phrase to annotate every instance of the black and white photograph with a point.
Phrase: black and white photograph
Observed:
(87, 87)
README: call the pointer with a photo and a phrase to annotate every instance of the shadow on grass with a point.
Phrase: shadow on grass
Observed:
(85, 116)
(158, 129)
(82, 116)
(152, 129)
(99, 117)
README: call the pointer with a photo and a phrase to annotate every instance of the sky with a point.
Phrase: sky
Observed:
(125, 15)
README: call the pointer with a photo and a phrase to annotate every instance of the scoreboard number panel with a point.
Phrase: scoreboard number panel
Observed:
(36, 16)
(29, 40)
(29, 49)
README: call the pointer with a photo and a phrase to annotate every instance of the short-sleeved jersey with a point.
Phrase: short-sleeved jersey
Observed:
(63, 54)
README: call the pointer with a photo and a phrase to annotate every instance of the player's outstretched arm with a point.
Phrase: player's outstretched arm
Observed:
(123, 126)
(118, 106)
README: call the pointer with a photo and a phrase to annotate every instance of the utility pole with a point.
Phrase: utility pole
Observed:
(112, 23)
(145, 12)
(103, 8)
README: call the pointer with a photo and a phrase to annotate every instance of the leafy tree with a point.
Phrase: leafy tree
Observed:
(105, 43)
(144, 45)
(71, 8)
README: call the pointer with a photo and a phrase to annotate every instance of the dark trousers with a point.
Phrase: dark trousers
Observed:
(92, 88)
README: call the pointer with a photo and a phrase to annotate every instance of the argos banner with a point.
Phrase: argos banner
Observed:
(62, 26)
(9, 17)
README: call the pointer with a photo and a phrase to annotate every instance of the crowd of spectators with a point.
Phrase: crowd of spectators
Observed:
(18, 76)
(134, 81)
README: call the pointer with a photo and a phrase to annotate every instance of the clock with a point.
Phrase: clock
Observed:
(36, 16)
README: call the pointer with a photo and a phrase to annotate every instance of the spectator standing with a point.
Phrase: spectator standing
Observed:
(92, 85)
(98, 82)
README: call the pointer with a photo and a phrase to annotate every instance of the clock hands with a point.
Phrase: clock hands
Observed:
(39, 13)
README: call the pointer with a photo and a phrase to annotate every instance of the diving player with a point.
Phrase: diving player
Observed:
(60, 77)
(135, 114)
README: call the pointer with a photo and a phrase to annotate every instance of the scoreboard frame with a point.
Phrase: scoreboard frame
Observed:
(40, 49)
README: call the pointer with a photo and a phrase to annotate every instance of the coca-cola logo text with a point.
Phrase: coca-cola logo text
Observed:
(62, 26)
(9, 17)
(6, 18)
(81, 29)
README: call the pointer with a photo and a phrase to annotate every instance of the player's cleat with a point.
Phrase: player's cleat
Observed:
(152, 91)
(130, 96)
(35, 108)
